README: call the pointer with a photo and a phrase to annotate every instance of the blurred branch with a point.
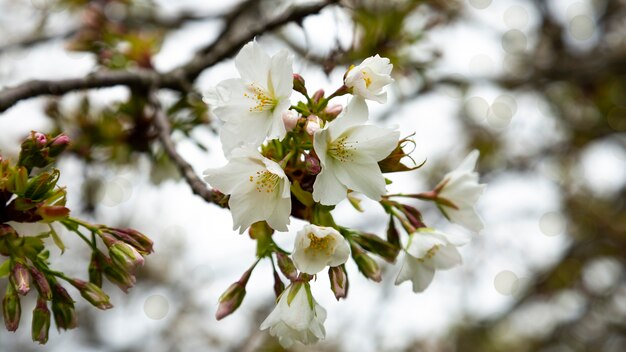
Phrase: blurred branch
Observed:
(177, 79)
(164, 130)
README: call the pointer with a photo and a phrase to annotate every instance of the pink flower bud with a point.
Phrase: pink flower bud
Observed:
(20, 278)
(312, 124)
(312, 164)
(299, 84)
(59, 144)
(125, 256)
(319, 95)
(338, 281)
(333, 111)
(40, 138)
(290, 119)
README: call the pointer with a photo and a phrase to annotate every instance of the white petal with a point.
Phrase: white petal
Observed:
(341, 254)
(327, 189)
(321, 139)
(299, 314)
(447, 257)
(281, 74)
(253, 63)
(248, 208)
(420, 275)
(422, 242)
(355, 113)
(230, 177)
(362, 177)
(277, 128)
(279, 218)
(374, 141)
(466, 217)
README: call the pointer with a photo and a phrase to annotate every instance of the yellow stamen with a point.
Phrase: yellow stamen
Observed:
(265, 181)
(263, 100)
(320, 244)
(342, 150)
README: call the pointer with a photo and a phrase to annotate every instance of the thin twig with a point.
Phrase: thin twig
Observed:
(162, 125)
(177, 79)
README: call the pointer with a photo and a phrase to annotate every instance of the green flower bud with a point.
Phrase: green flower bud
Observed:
(141, 242)
(367, 266)
(41, 322)
(125, 256)
(286, 266)
(63, 309)
(375, 244)
(231, 299)
(93, 294)
(41, 283)
(123, 279)
(11, 308)
(299, 84)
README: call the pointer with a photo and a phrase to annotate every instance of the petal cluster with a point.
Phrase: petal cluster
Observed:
(258, 189)
(300, 319)
(369, 78)
(428, 250)
(317, 247)
(460, 191)
(252, 106)
(349, 152)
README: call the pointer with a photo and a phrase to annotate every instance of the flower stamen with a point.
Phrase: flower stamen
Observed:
(265, 181)
(263, 100)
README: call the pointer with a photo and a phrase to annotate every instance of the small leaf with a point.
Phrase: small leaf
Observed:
(5, 268)
(355, 202)
(57, 240)
(303, 196)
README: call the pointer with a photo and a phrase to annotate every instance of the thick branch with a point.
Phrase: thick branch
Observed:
(177, 79)
(164, 130)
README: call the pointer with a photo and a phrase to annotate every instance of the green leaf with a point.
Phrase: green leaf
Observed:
(303, 196)
(293, 292)
(5, 268)
(57, 240)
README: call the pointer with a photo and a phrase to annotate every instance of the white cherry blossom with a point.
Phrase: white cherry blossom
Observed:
(428, 250)
(300, 320)
(349, 152)
(258, 189)
(252, 106)
(460, 191)
(369, 78)
(317, 247)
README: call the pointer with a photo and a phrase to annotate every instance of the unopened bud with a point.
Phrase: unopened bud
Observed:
(125, 256)
(375, 244)
(312, 163)
(7, 230)
(63, 309)
(286, 266)
(141, 242)
(279, 286)
(230, 300)
(92, 293)
(52, 213)
(333, 111)
(299, 84)
(122, 279)
(319, 95)
(338, 281)
(41, 322)
(290, 119)
(11, 309)
(367, 266)
(413, 215)
(58, 145)
(312, 124)
(20, 278)
(393, 235)
(95, 270)
(40, 138)
(41, 283)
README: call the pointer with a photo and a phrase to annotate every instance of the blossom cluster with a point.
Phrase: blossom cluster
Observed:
(300, 160)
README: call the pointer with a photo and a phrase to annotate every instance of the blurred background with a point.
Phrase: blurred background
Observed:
(539, 87)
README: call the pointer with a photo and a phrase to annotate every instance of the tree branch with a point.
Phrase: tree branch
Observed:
(177, 79)
(162, 125)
